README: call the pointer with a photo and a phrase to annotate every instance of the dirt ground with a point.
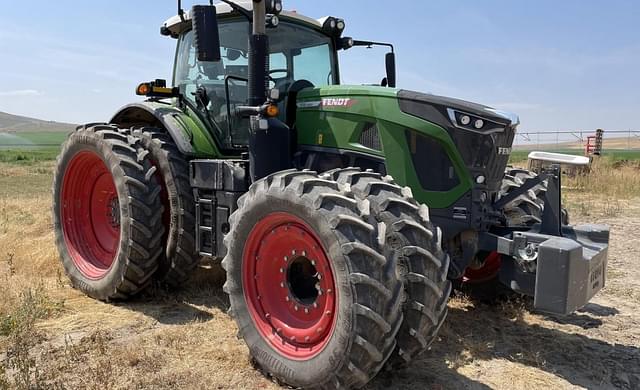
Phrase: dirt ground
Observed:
(185, 340)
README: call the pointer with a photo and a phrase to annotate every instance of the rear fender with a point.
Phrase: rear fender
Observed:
(190, 136)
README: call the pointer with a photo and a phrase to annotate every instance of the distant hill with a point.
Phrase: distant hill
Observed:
(15, 124)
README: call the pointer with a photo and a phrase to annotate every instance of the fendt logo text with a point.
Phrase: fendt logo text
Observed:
(338, 102)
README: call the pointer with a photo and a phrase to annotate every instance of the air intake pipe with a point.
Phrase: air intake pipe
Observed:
(270, 140)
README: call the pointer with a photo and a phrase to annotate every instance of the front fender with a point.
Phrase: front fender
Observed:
(190, 136)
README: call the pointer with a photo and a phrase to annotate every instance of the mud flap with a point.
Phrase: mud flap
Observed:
(571, 269)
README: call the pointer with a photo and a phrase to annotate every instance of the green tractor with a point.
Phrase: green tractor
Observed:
(314, 195)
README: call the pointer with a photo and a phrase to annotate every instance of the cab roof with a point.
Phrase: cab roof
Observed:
(177, 26)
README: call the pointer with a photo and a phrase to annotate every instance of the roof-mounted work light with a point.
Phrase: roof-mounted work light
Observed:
(333, 26)
(274, 7)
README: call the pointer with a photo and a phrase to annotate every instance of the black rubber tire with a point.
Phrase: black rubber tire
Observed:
(179, 258)
(140, 212)
(526, 210)
(369, 291)
(415, 244)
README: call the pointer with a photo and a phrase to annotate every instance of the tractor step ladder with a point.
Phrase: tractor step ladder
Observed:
(205, 222)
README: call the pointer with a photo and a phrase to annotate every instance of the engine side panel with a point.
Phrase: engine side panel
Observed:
(349, 118)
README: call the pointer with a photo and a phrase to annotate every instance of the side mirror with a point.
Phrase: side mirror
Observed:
(390, 60)
(205, 32)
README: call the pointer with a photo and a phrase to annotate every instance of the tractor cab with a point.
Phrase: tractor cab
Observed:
(302, 54)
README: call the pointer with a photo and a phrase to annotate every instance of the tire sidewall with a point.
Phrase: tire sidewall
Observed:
(319, 368)
(105, 286)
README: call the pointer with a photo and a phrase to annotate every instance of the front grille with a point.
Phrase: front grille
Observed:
(480, 153)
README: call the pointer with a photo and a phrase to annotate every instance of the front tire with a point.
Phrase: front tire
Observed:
(106, 213)
(527, 209)
(314, 299)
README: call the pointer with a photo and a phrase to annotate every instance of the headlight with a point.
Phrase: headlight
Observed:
(474, 123)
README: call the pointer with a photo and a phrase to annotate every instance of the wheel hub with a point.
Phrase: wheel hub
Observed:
(303, 280)
(289, 286)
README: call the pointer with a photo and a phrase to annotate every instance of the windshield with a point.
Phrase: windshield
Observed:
(297, 53)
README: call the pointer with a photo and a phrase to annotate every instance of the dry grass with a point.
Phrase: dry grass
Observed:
(615, 180)
(54, 337)
(607, 191)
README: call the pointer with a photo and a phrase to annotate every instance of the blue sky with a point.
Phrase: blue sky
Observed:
(561, 65)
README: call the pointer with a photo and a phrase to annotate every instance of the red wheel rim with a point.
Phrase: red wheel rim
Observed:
(289, 286)
(488, 271)
(90, 214)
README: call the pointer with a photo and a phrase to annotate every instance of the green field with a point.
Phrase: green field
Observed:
(30, 140)
(28, 157)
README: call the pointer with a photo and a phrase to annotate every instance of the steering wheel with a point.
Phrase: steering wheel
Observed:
(285, 71)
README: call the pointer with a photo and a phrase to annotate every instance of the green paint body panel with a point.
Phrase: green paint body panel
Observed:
(339, 124)
(193, 128)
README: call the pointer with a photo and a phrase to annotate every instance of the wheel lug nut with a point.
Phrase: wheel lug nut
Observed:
(286, 258)
(279, 330)
(306, 311)
(307, 338)
(293, 338)
(319, 330)
(319, 276)
(267, 316)
(328, 313)
(293, 252)
(282, 284)
(313, 263)
(281, 270)
(296, 308)
(304, 253)
(315, 305)
(287, 298)
(329, 291)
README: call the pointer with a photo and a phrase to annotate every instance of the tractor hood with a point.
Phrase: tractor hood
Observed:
(481, 136)
(443, 111)
(414, 103)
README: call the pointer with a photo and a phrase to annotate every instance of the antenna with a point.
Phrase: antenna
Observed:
(180, 10)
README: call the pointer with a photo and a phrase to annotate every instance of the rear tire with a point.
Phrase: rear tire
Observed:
(281, 220)
(414, 242)
(179, 258)
(106, 213)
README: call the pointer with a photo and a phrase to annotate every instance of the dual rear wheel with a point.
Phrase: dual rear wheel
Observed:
(328, 281)
(123, 211)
